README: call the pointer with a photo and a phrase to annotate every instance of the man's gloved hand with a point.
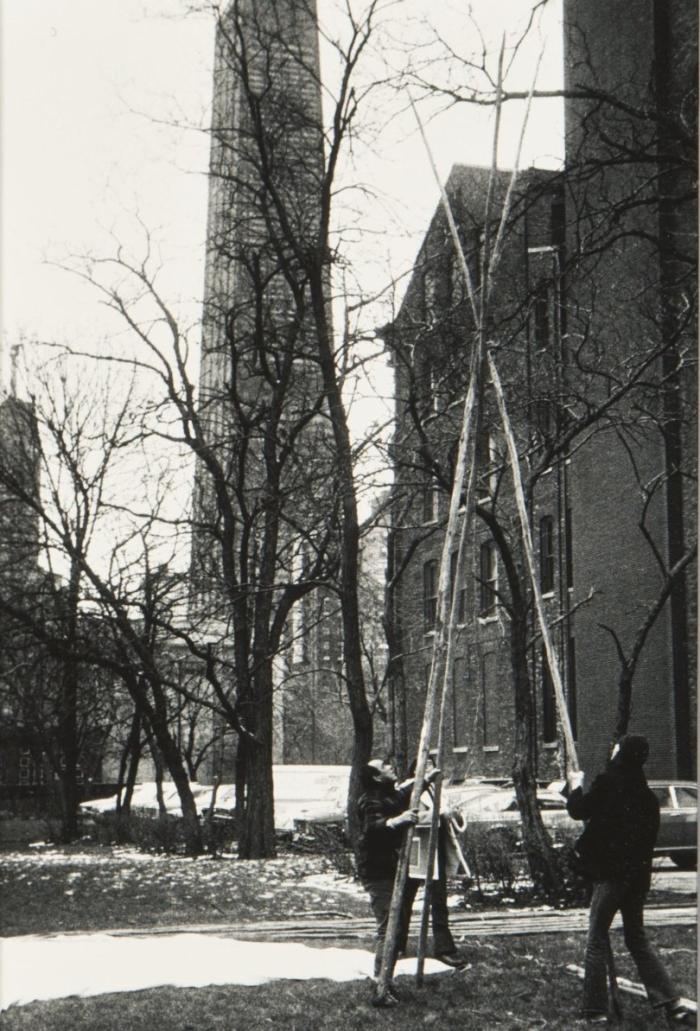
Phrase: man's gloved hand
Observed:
(434, 774)
(574, 779)
(403, 819)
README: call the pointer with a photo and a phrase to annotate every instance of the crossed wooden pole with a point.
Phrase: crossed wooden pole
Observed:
(461, 500)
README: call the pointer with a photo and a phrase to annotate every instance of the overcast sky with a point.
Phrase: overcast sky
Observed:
(83, 157)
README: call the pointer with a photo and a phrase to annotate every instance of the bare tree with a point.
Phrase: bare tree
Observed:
(275, 514)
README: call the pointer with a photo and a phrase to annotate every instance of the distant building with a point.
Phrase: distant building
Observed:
(19, 523)
(261, 400)
(30, 672)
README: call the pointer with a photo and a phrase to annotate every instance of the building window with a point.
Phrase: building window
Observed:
(488, 579)
(459, 703)
(430, 500)
(569, 548)
(486, 460)
(430, 593)
(29, 772)
(549, 708)
(458, 286)
(571, 686)
(461, 602)
(557, 221)
(543, 415)
(431, 386)
(546, 554)
(430, 292)
(489, 701)
(543, 311)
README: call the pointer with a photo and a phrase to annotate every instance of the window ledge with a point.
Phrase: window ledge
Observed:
(550, 745)
(460, 749)
(547, 595)
(490, 748)
(488, 619)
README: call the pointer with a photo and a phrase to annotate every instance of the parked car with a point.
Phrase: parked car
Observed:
(678, 829)
(494, 806)
(301, 792)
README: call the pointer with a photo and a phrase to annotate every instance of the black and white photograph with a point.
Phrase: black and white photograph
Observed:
(348, 515)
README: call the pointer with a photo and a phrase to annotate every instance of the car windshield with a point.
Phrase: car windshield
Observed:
(663, 794)
(686, 796)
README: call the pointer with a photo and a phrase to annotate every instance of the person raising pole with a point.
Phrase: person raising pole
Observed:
(383, 817)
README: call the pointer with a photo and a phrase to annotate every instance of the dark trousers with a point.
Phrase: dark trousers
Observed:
(443, 942)
(608, 897)
(380, 893)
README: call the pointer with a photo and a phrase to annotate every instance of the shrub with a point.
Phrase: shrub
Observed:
(218, 833)
(325, 839)
(110, 829)
(491, 855)
(148, 833)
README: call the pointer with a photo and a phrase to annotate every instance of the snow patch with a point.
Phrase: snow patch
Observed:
(331, 882)
(38, 967)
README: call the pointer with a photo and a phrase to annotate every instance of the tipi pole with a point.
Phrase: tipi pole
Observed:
(443, 649)
(438, 664)
(570, 758)
(433, 839)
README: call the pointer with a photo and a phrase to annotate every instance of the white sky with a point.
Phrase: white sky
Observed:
(88, 159)
(81, 155)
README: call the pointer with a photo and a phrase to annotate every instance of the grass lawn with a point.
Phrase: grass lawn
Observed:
(87, 887)
(514, 982)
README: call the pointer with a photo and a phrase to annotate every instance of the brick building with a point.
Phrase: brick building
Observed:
(261, 401)
(632, 218)
(594, 318)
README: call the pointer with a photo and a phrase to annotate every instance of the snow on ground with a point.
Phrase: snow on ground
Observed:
(332, 882)
(49, 854)
(38, 967)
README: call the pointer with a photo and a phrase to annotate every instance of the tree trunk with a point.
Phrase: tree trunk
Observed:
(192, 830)
(241, 782)
(257, 832)
(134, 758)
(69, 751)
(156, 722)
(541, 857)
(68, 729)
(349, 549)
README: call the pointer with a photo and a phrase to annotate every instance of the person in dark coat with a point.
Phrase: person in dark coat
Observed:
(383, 818)
(615, 853)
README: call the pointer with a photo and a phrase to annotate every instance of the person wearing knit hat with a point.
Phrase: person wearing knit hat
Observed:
(615, 853)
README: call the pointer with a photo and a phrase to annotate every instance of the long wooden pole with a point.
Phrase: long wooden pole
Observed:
(490, 259)
(466, 457)
(570, 757)
(438, 665)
